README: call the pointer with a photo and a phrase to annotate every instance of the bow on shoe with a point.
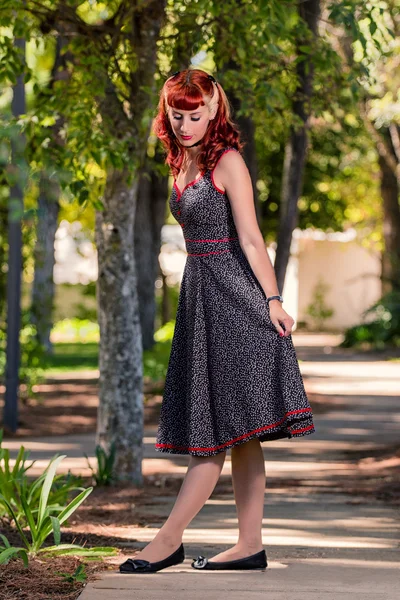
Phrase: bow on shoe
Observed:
(132, 564)
(200, 562)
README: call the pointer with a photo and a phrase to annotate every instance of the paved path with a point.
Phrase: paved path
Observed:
(321, 544)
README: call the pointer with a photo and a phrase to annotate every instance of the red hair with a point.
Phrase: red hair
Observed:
(185, 91)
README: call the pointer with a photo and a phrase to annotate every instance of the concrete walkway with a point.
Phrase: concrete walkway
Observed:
(321, 544)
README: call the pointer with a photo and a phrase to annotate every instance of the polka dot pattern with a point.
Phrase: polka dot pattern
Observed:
(230, 376)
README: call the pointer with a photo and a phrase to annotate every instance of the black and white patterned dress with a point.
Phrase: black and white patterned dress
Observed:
(230, 376)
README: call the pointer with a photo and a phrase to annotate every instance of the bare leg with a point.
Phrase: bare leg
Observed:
(248, 478)
(200, 480)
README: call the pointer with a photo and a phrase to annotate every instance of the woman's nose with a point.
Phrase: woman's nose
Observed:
(184, 126)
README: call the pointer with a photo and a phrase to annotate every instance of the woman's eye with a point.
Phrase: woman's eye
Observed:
(193, 119)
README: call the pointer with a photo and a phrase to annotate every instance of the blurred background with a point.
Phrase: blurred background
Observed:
(91, 257)
(91, 262)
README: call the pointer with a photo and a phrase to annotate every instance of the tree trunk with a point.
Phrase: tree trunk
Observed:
(296, 147)
(246, 127)
(150, 217)
(120, 416)
(391, 227)
(48, 208)
(3, 257)
(43, 284)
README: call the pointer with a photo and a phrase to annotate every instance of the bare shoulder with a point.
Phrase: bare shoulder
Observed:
(230, 167)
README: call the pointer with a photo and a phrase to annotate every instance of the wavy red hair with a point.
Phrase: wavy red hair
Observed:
(185, 91)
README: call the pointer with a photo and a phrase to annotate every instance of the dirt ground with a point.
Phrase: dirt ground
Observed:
(42, 579)
(70, 407)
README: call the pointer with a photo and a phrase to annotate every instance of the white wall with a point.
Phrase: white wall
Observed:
(351, 271)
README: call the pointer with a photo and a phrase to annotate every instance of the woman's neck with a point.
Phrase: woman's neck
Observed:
(190, 155)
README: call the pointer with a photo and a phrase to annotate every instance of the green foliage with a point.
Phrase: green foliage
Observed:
(43, 519)
(78, 576)
(382, 329)
(12, 479)
(103, 476)
(155, 360)
(257, 38)
(77, 330)
(7, 552)
(15, 485)
(318, 309)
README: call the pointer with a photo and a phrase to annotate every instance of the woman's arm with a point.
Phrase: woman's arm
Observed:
(231, 174)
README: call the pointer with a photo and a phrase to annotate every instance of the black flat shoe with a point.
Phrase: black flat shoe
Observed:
(138, 565)
(255, 561)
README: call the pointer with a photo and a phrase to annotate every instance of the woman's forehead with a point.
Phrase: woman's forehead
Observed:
(193, 111)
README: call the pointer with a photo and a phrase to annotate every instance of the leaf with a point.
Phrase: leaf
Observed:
(10, 552)
(76, 186)
(372, 27)
(13, 516)
(98, 204)
(18, 460)
(46, 487)
(83, 196)
(5, 541)
(67, 512)
(56, 530)
(75, 550)
(29, 516)
(73, 505)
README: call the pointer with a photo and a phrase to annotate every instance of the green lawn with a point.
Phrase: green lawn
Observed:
(78, 356)
(73, 356)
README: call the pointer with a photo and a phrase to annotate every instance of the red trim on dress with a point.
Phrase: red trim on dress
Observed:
(186, 186)
(242, 437)
(208, 253)
(304, 429)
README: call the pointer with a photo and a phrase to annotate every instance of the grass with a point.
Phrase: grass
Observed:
(73, 356)
(79, 356)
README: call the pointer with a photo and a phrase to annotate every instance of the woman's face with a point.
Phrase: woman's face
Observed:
(189, 126)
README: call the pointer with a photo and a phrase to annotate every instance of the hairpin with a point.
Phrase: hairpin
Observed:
(209, 77)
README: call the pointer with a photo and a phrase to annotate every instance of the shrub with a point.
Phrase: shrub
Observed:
(14, 484)
(382, 327)
(44, 519)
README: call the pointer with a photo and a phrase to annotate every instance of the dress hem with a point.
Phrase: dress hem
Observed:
(265, 437)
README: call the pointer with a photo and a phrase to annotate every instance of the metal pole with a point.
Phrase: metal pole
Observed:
(16, 206)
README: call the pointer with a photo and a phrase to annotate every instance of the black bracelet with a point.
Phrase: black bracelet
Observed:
(275, 297)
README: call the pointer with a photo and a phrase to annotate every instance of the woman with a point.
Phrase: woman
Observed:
(233, 379)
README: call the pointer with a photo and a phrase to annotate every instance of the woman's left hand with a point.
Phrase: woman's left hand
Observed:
(280, 317)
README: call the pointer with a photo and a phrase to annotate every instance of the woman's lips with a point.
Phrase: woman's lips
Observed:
(186, 137)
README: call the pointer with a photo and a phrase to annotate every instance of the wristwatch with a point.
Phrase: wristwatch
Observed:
(275, 297)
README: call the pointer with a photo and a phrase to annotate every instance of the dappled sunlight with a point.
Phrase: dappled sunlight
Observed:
(271, 537)
(40, 446)
(300, 537)
(352, 431)
(352, 562)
